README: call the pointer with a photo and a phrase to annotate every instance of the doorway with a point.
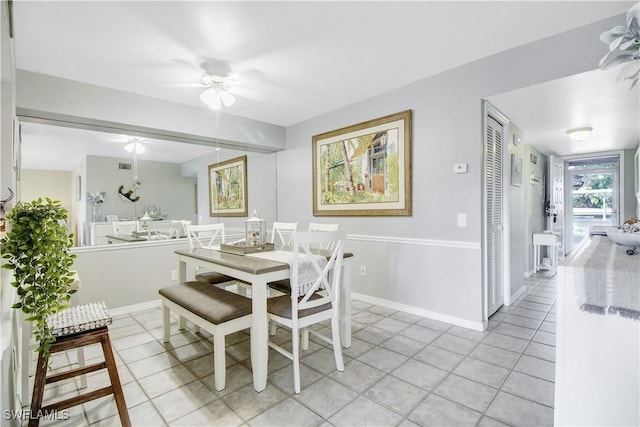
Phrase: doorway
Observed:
(593, 189)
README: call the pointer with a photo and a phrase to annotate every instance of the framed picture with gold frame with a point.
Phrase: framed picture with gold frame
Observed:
(364, 169)
(228, 188)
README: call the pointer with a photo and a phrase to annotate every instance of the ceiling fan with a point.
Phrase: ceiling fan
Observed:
(131, 143)
(221, 83)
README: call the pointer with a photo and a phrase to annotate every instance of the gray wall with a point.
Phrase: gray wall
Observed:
(162, 186)
(517, 209)
(426, 261)
(48, 94)
(535, 193)
(261, 182)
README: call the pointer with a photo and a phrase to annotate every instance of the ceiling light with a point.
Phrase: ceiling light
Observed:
(216, 97)
(137, 145)
(580, 133)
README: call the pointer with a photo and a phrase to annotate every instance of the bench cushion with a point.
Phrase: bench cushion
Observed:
(213, 304)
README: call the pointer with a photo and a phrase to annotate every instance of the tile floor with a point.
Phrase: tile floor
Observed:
(401, 370)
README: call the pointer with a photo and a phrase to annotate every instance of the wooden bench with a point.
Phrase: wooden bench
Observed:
(211, 308)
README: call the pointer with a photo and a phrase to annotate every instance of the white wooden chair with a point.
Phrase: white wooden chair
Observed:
(125, 227)
(309, 306)
(316, 226)
(204, 235)
(284, 232)
(208, 235)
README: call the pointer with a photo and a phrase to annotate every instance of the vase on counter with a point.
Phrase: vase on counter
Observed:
(96, 213)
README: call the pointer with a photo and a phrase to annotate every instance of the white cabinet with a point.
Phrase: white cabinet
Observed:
(598, 355)
(98, 232)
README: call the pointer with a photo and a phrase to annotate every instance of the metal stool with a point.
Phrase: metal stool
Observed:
(75, 327)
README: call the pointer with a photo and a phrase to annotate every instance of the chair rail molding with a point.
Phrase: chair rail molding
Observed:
(414, 241)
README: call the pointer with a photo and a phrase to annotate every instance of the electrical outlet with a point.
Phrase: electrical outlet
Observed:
(174, 274)
(363, 270)
(462, 220)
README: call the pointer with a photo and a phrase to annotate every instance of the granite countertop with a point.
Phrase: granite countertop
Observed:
(607, 280)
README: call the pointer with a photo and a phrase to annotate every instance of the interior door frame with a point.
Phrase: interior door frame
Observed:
(567, 191)
(489, 109)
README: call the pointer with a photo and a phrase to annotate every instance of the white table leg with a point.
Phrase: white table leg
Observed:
(182, 271)
(259, 334)
(345, 305)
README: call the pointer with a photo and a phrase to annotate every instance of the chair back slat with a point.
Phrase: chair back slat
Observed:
(284, 232)
(324, 267)
(316, 226)
(204, 235)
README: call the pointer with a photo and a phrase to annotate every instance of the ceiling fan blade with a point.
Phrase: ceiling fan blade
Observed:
(245, 93)
(189, 64)
(187, 85)
(246, 76)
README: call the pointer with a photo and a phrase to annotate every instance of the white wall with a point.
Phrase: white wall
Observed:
(56, 185)
(426, 261)
(7, 179)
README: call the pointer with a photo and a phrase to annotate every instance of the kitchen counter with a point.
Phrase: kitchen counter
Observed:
(598, 336)
(607, 279)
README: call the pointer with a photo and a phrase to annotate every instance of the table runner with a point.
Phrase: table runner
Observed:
(307, 273)
(607, 280)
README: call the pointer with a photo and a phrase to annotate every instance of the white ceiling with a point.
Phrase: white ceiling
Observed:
(545, 113)
(314, 56)
(60, 148)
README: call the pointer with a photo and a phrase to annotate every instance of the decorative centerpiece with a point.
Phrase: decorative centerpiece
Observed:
(255, 230)
(96, 200)
(255, 238)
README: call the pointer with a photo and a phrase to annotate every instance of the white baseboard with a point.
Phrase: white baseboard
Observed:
(127, 309)
(518, 293)
(465, 323)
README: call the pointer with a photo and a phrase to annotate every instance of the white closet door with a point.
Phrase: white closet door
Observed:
(494, 215)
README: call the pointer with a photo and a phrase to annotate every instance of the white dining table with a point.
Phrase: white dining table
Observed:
(259, 272)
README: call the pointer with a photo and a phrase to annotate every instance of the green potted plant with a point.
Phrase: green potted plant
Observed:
(37, 249)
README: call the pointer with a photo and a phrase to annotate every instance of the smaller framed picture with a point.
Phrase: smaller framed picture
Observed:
(533, 158)
(516, 170)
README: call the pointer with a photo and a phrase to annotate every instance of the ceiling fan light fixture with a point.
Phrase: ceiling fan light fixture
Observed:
(135, 145)
(227, 99)
(580, 133)
(211, 98)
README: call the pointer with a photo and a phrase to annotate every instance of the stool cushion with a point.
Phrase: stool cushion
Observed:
(213, 304)
(79, 318)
